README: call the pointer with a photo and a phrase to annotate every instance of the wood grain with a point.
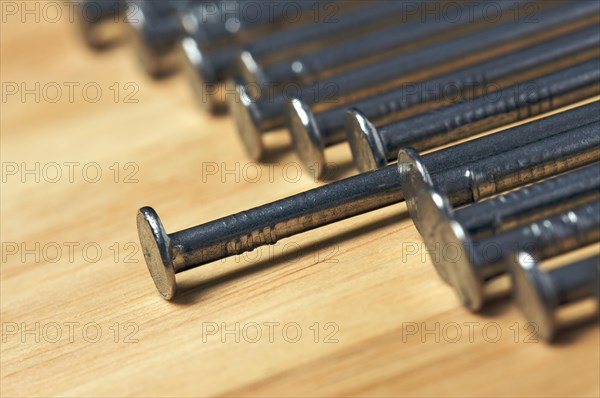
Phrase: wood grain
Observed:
(363, 284)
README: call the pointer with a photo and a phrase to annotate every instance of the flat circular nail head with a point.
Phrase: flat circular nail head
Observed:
(365, 142)
(417, 187)
(242, 107)
(532, 292)
(200, 73)
(157, 58)
(250, 70)
(427, 208)
(155, 246)
(306, 137)
(456, 258)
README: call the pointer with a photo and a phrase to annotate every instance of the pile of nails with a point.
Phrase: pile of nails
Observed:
(414, 88)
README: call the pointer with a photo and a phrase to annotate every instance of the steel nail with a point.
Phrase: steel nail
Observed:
(373, 147)
(204, 72)
(429, 198)
(208, 53)
(255, 114)
(156, 28)
(472, 266)
(313, 132)
(549, 196)
(539, 294)
(325, 32)
(168, 254)
(429, 202)
(368, 47)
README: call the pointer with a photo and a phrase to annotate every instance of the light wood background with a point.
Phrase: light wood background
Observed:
(363, 283)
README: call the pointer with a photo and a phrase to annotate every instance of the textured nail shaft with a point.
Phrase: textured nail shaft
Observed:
(540, 293)
(374, 147)
(421, 31)
(574, 282)
(431, 195)
(212, 45)
(544, 238)
(527, 163)
(255, 116)
(312, 133)
(167, 254)
(494, 213)
(324, 32)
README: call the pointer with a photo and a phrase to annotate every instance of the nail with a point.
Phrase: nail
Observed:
(313, 132)
(204, 72)
(309, 37)
(215, 24)
(373, 147)
(101, 21)
(431, 207)
(168, 254)
(540, 199)
(393, 39)
(429, 202)
(253, 117)
(473, 266)
(208, 54)
(539, 294)
(156, 28)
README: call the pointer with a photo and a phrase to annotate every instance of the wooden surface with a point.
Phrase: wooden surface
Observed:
(357, 282)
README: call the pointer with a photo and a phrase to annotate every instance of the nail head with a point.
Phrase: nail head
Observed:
(155, 244)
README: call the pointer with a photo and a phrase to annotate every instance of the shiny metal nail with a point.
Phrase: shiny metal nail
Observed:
(208, 53)
(313, 132)
(555, 194)
(265, 111)
(543, 155)
(430, 203)
(312, 36)
(373, 147)
(370, 46)
(155, 29)
(476, 262)
(168, 254)
(539, 294)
